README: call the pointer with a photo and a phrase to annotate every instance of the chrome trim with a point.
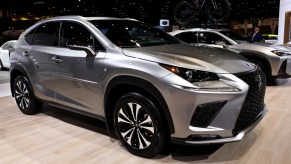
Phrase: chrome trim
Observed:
(75, 79)
(207, 129)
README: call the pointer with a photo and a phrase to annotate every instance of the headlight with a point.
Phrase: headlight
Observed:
(203, 81)
(192, 75)
(280, 53)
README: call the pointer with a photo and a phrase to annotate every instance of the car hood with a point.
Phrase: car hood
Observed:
(193, 57)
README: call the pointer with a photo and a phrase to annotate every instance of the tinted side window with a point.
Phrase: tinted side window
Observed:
(8, 45)
(29, 36)
(188, 37)
(210, 38)
(46, 34)
(78, 35)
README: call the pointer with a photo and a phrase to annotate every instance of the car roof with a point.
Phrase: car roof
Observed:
(197, 29)
(77, 17)
(217, 31)
(10, 41)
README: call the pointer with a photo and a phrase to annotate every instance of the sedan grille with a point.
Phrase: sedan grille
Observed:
(254, 103)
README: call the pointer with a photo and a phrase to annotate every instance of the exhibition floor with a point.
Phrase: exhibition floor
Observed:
(58, 136)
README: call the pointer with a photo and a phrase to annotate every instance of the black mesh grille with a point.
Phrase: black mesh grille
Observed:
(205, 113)
(282, 70)
(254, 102)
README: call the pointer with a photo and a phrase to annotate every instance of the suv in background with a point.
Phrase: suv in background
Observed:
(145, 84)
(274, 61)
(270, 38)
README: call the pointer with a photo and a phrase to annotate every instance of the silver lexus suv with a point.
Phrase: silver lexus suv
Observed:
(147, 86)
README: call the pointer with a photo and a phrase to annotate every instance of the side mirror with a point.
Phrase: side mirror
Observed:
(88, 50)
(74, 44)
(221, 43)
(10, 50)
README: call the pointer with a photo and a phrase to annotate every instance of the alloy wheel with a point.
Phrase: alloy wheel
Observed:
(22, 95)
(136, 125)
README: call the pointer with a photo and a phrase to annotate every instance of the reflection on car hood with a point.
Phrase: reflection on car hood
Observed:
(253, 46)
(193, 57)
(277, 46)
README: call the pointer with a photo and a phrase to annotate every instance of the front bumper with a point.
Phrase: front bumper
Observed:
(238, 137)
(236, 112)
(285, 68)
(288, 67)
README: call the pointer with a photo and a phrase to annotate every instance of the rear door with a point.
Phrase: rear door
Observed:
(188, 37)
(4, 53)
(41, 42)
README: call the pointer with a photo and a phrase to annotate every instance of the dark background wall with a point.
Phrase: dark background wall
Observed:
(150, 11)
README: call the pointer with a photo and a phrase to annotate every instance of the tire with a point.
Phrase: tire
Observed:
(1, 66)
(24, 97)
(184, 13)
(267, 74)
(218, 10)
(141, 132)
(261, 67)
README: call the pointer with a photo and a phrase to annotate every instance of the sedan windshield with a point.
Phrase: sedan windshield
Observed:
(126, 33)
(234, 36)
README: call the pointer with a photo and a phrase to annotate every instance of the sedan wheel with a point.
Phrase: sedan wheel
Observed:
(24, 97)
(1, 66)
(263, 68)
(138, 125)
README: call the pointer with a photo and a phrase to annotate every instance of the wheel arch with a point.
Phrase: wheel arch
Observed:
(125, 84)
(1, 65)
(14, 72)
(257, 57)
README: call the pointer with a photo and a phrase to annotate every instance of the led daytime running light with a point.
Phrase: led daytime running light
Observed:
(192, 75)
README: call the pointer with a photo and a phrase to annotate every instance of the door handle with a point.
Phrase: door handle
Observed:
(25, 53)
(56, 59)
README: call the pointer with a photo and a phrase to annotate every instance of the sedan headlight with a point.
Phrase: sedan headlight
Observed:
(192, 75)
(203, 81)
(280, 53)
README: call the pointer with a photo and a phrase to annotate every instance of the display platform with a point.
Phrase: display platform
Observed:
(58, 136)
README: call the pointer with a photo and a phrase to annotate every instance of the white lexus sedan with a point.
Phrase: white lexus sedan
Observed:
(4, 54)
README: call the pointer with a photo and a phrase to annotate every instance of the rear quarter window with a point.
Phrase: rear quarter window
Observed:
(28, 37)
(45, 34)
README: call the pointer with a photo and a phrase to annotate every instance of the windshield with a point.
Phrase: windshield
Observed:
(234, 36)
(126, 33)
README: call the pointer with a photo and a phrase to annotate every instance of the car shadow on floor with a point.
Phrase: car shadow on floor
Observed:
(193, 153)
(180, 153)
(76, 119)
(279, 82)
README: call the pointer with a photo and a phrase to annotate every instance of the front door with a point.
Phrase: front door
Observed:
(76, 75)
(62, 75)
